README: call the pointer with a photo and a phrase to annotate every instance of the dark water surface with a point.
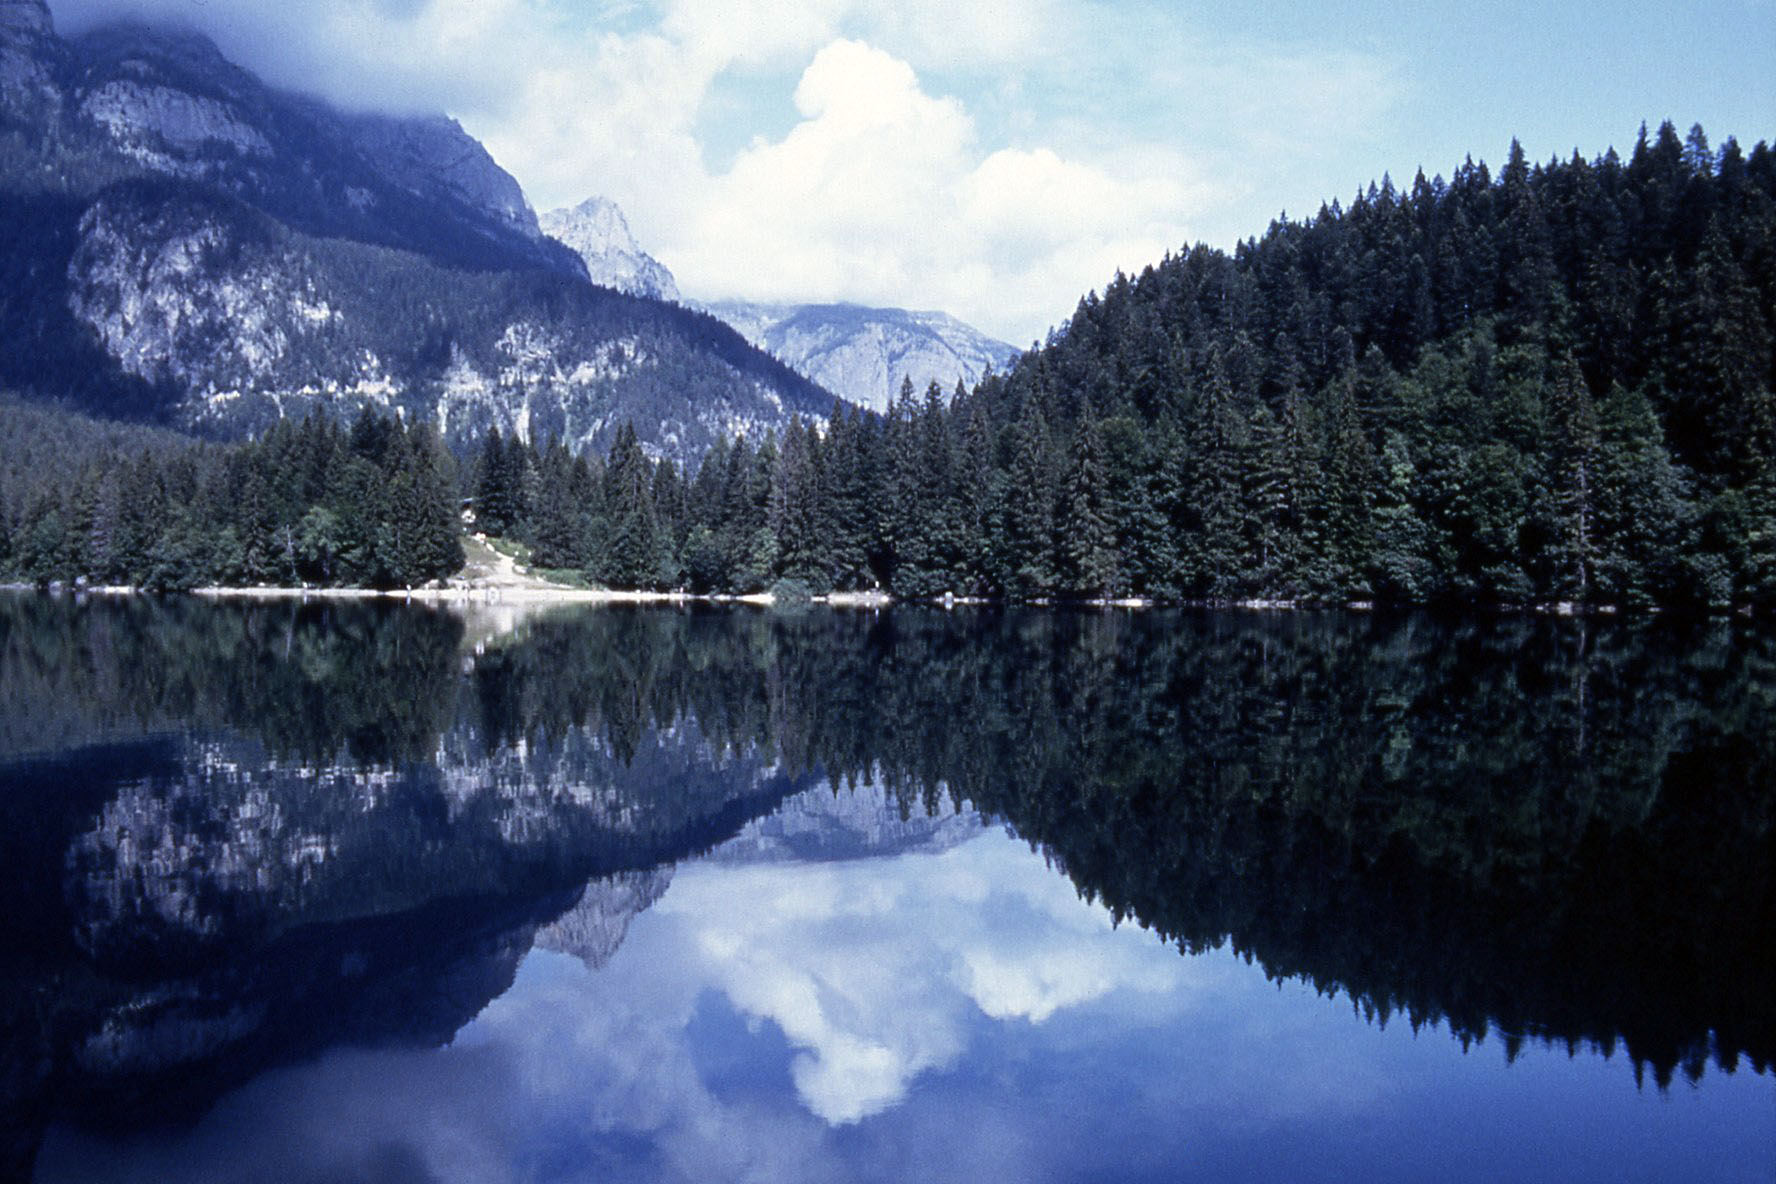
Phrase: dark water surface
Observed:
(355, 892)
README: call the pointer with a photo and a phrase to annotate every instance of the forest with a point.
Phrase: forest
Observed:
(373, 505)
(1553, 385)
(1556, 384)
(1526, 829)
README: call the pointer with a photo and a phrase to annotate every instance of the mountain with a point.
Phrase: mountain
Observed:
(598, 233)
(861, 354)
(865, 354)
(828, 824)
(182, 244)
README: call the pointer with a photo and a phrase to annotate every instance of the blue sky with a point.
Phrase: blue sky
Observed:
(995, 159)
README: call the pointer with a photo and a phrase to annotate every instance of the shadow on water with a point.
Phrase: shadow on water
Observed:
(234, 835)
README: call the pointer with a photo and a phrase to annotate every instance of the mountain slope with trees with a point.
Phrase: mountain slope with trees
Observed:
(181, 244)
(1556, 384)
(1553, 385)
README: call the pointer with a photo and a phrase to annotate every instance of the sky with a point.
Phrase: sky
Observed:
(958, 1015)
(995, 159)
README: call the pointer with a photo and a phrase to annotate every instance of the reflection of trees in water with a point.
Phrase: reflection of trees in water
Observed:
(1545, 829)
(1542, 829)
(1534, 828)
(314, 681)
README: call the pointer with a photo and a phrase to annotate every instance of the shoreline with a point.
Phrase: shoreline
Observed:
(460, 594)
(538, 594)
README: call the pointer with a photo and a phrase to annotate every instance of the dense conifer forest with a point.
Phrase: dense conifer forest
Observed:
(372, 505)
(1553, 384)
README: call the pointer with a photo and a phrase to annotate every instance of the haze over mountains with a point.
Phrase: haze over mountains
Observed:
(186, 245)
(861, 354)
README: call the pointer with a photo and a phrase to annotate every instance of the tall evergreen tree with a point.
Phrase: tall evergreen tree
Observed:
(634, 551)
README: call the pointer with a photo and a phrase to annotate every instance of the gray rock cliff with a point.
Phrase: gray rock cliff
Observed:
(865, 354)
(597, 231)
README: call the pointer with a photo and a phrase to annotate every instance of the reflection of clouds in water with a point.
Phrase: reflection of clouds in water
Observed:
(873, 970)
(1089, 1042)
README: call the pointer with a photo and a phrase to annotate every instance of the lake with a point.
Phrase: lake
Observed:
(371, 892)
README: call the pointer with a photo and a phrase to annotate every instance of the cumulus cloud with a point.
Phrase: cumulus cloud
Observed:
(882, 192)
(877, 972)
(983, 1021)
(995, 159)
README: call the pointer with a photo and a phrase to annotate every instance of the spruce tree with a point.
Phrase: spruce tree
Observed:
(1212, 543)
(1025, 559)
(634, 552)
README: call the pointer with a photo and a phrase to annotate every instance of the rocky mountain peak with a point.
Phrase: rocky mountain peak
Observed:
(864, 354)
(436, 153)
(597, 231)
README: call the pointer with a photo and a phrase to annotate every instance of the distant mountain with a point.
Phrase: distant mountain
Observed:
(182, 244)
(860, 354)
(865, 354)
(828, 824)
(598, 233)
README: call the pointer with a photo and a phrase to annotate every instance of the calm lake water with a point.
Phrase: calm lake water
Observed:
(373, 893)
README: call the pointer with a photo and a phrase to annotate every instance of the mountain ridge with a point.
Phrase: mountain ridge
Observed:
(861, 353)
(188, 246)
(865, 353)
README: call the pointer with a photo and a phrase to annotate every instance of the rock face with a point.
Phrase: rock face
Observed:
(435, 155)
(595, 927)
(30, 61)
(25, 16)
(828, 823)
(861, 354)
(191, 247)
(864, 354)
(598, 233)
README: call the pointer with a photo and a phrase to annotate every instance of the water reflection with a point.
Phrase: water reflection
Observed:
(239, 836)
(866, 1051)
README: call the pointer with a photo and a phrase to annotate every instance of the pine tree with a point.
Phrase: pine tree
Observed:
(1350, 472)
(435, 537)
(558, 531)
(1088, 561)
(848, 499)
(1573, 459)
(634, 552)
(1025, 556)
(1639, 503)
(1212, 543)
(796, 512)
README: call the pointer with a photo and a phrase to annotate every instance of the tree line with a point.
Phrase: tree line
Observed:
(1558, 384)
(371, 505)
(1552, 385)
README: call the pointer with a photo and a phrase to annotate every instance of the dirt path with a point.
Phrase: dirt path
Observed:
(484, 567)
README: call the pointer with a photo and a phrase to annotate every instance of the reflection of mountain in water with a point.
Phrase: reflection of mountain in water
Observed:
(240, 846)
(819, 824)
(594, 928)
(185, 909)
(829, 822)
(244, 833)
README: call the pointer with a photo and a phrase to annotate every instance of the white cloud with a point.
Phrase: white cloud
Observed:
(882, 193)
(875, 971)
(995, 159)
